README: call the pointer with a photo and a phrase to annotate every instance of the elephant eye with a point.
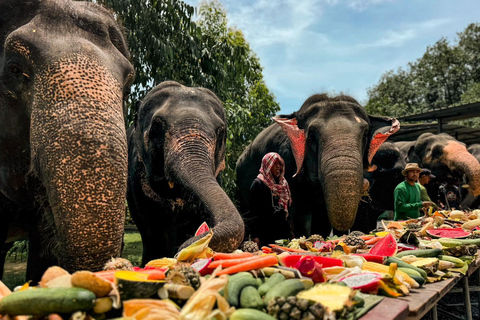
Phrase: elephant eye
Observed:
(437, 152)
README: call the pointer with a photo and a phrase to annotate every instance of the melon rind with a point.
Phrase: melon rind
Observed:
(460, 233)
(385, 247)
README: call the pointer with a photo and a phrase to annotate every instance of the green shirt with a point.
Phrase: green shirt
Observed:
(424, 195)
(407, 201)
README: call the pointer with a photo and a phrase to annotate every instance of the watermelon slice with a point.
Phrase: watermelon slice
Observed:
(457, 233)
(201, 265)
(202, 229)
(385, 247)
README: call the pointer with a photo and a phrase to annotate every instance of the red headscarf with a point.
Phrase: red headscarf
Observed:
(281, 189)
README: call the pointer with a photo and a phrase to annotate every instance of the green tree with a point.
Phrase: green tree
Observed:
(440, 78)
(167, 44)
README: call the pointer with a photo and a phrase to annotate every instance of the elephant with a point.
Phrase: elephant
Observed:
(443, 155)
(65, 74)
(326, 146)
(470, 201)
(176, 152)
(389, 162)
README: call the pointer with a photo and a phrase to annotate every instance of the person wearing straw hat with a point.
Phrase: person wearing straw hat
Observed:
(407, 194)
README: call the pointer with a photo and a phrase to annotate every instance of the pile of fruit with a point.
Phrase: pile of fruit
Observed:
(305, 278)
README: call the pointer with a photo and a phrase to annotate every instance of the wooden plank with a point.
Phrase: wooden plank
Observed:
(388, 309)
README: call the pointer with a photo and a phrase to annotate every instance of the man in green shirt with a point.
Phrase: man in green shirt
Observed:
(425, 177)
(407, 194)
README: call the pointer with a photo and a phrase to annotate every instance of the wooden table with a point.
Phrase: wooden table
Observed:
(422, 300)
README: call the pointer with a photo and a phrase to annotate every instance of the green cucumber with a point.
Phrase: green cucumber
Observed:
(458, 262)
(250, 298)
(250, 314)
(270, 283)
(421, 253)
(235, 286)
(414, 275)
(289, 287)
(470, 241)
(402, 264)
(43, 301)
(449, 242)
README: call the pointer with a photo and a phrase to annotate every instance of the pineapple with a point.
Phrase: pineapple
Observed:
(335, 298)
(357, 233)
(463, 250)
(184, 275)
(249, 246)
(413, 226)
(315, 237)
(294, 308)
(118, 264)
(474, 235)
(354, 241)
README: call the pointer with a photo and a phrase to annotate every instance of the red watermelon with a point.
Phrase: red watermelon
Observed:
(456, 233)
(202, 229)
(385, 247)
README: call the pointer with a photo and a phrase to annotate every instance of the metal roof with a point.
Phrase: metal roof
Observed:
(438, 123)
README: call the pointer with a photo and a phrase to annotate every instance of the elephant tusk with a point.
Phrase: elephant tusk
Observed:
(170, 184)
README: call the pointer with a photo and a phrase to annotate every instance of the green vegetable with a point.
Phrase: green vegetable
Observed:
(43, 301)
(421, 253)
(414, 275)
(235, 286)
(250, 298)
(458, 262)
(270, 283)
(289, 287)
(402, 264)
(250, 314)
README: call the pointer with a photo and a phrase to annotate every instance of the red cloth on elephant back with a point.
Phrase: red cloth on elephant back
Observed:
(281, 188)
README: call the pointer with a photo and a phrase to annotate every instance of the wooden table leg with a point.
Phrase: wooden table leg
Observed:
(466, 294)
(434, 312)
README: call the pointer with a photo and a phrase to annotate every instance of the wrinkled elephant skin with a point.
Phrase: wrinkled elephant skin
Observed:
(64, 70)
(327, 144)
(176, 151)
(443, 155)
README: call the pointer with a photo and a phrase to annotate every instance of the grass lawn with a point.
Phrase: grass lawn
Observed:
(16, 264)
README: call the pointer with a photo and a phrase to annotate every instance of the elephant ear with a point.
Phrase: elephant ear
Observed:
(296, 137)
(380, 129)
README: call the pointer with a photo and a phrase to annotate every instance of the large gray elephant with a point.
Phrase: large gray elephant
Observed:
(443, 155)
(327, 144)
(63, 162)
(176, 151)
(468, 199)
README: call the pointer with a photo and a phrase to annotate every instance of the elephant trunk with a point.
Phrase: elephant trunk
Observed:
(342, 172)
(458, 158)
(79, 153)
(190, 161)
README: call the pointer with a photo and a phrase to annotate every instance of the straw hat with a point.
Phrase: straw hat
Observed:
(411, 167)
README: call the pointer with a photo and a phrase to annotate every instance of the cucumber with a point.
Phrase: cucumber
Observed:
(448, 242)
(458, 262)
(43, 301)
(414, 275)
(470, 241)
(250, 298)
(250, 314)
(421, 253)
(289, 287)
(235, 286)
(402, 264)
(270, 283)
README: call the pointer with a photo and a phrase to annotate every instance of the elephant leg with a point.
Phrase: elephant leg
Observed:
(39, 258)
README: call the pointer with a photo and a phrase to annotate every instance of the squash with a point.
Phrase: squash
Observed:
(136, 285)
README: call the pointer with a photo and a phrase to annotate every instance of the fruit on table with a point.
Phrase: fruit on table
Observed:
(428, 264)
(294, 308)
(185, 275)
(249, 246)
(90, 281)
(270, 283)
(291, 260)
(370, 283)
(52, 273)
(201, 265)
(289, 287)
(385, 247)
(308, 267)
(235, 285)
(355, 241)
(334, 297)
(250, 314)
(456, 233)
(133, 285)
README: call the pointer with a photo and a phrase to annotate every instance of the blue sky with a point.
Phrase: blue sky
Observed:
(315, 46)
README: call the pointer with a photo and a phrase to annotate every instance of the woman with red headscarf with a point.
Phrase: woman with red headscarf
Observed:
(270, 197)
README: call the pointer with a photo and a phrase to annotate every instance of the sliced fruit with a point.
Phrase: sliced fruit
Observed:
(291, 260)
(457, 233)
(201, 265)
(133, 285)
(334, 297)
(385, 247)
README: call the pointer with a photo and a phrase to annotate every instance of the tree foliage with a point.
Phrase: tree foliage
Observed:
(447, 74)
(167, 44)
